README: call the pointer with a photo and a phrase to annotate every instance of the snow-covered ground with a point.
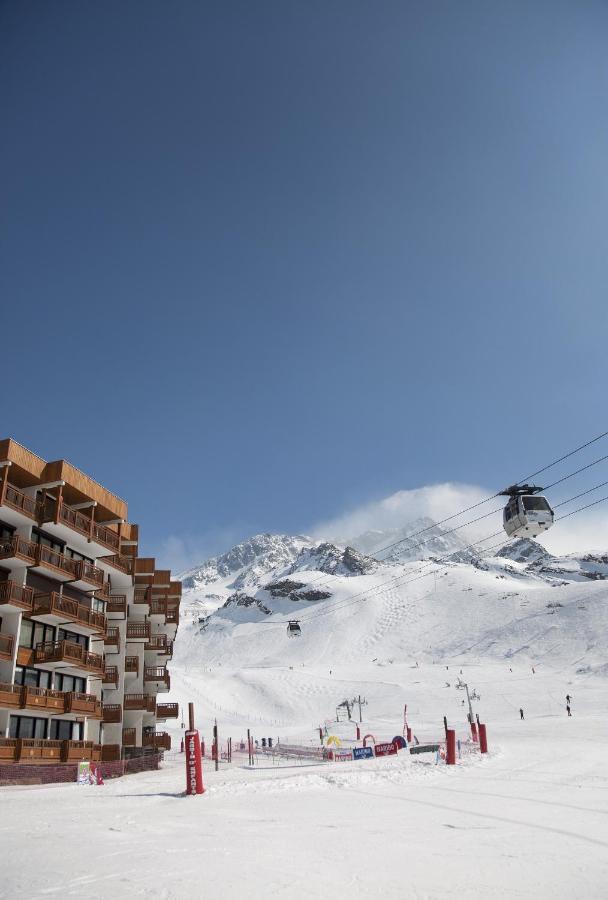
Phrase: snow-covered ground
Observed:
(529, 820)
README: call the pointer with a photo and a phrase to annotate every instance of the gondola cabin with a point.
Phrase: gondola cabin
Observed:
(527, 514)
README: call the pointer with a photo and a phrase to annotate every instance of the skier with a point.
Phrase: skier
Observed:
(521, 713)
(568, 698)
(568, 709)
(533, 672)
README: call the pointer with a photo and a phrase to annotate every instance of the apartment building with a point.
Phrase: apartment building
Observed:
(86, 625)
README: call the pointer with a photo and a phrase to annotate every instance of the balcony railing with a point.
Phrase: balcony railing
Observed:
(33, 750)
(19, 501)
(66, 651)
(60, 701)
(112, 639)
(128, 737)
(7, 646)
(83, 704)
(16, 595)
(86, 526)
(123, 563)
(160, 740)
(86, 571)
(117, 604)
(158, 642)
(110, 752)
(157, 673)
(132, 664)
(142, 595)
(112, 713)
(52, 559)
(68, 609)
(110, 676)
(137, 631)
(18, 548)
(145, 702)
(167, 710)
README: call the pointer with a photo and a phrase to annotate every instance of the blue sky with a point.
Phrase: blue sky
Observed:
(264, 263)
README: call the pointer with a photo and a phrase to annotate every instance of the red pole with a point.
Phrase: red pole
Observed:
(450, 747)
(483, 739)
(409, 734)
(474, 731)
(358, 733)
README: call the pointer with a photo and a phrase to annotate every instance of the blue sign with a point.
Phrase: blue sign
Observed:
(363, 752)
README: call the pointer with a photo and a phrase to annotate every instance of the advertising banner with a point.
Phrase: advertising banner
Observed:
(363, 753)
(385, 749)
(83, 775)
(342, 755)
(194, 764)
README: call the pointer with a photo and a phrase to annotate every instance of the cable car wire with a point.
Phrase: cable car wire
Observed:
(406, 577)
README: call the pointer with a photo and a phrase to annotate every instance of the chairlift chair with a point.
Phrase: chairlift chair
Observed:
(527, 514)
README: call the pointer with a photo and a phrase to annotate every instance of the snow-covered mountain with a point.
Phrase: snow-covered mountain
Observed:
(419, 539)
(520, 601)
(243, 568)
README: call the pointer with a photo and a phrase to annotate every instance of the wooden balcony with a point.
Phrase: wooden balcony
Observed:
(142, 595)
(110, 676)
(132, 665)
(159, 675)
(138, 631)
(68, 702)
(145, 702)
(21, 503)
(129, 737)
(86, 526)
(18, 550)
(83, 704)
(56, 609)
(160, 740)
(7, 646)
(157, 644)
(8, 750)
(37, 751)
(110, 752)
(167, 711)
(10, 696)
(112, 713)
(116, 605)
(15, 596)
(75, 751)
(112, 640)
(89, 574)
(66, 653)
(122, 563)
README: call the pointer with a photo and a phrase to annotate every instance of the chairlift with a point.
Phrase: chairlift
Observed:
(293, 628)
(526, 514)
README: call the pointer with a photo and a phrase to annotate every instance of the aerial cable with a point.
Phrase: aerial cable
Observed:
(407, 577)
(325, 577)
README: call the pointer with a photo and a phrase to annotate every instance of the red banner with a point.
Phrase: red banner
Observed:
(385, 749)
(194, 765)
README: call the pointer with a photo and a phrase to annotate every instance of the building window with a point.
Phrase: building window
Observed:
(27, 727)
(81, 639)
(33, 633)
(32, 677)
(70, 683)
(73, 554)
(63, 730)
(39, 537)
